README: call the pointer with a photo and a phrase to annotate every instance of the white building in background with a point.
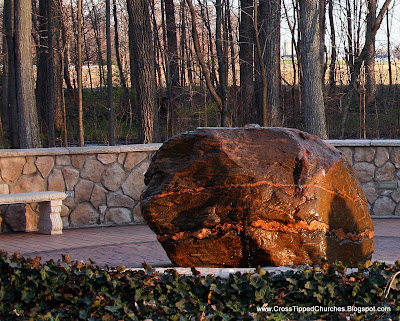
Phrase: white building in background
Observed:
(288, 50)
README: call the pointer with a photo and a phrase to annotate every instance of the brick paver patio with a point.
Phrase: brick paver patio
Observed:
(132, 245)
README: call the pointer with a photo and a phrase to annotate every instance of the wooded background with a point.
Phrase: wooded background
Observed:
(140, 71)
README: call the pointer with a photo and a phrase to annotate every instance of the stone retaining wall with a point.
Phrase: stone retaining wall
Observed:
(103, 184)
(376, 164)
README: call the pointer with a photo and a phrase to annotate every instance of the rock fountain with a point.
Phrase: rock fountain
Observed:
(242, 197)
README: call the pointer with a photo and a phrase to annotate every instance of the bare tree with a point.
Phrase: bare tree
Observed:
(205, 15)
(5, 119)
(246, 45)
(370, 84)
(358, 64)
(389, 51)
(270, 22)
(88, 57)
(10, 112)
(79, 74)
(322, 31)
(222, 70)
(49, 92)
(195, 53)
(66, 35)
(95, 20)
(201, 60)
(230, 31)
(142, 54)
(158, 49)
(29, 136)
(350, 47)
(259, 57)
(172, 61)
(183, 40)
(332, 66)
(313, 99)
(110, 102)
(117, 46)
(294, 50)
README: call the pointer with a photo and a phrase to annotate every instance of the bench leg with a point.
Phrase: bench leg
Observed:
(50, 220)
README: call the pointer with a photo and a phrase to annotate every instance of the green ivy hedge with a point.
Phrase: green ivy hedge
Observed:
(67, 290)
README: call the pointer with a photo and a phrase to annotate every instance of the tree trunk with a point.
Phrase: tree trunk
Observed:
(388, 51)
(370, 84)
(357, 66)
(350, 48)
(110, 102)
(66, 61)
(29, 135)
(172, 60)
(127, 99)
(117, 48)
(246, 45)
(79, 74)
(42, 98)
(231, 45)
(64, 111)
(332, 66)
(221, 64)
(51, 74)
(97, 33)
(85, 43)
(142, 55)
(172, 47)
(49, 78)
(200, 57)
(182, 16)
(270, 21)
(211, 54)
(262, 110)
(10, 100)
(322, 27)
(134, 85)
(5, 119)
(313, 100)
(294, 50)
(159, 53)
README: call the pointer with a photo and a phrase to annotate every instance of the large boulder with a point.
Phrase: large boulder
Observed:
(241, 197)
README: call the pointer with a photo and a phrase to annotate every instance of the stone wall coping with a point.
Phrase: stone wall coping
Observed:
(348, 142)
(80, 150)
(34, 152)
(153, 147)
(363, 142)
(385, 142)
(93, 150)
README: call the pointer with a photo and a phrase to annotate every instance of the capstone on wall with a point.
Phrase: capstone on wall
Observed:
(103, 184)
(376, 164)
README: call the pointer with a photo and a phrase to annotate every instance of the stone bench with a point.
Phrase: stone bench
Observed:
(49, 204)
